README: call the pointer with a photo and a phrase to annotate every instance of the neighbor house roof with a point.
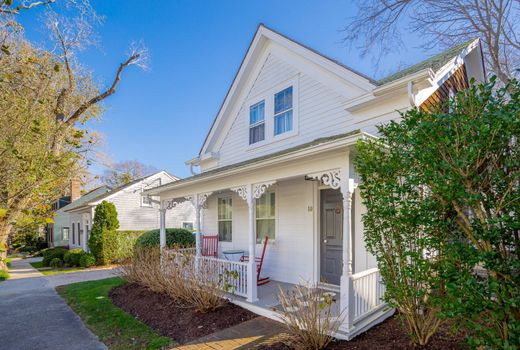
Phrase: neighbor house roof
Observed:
(110, 192)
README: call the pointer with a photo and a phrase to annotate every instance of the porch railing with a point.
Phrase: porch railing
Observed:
(231, 276)
(368, 292)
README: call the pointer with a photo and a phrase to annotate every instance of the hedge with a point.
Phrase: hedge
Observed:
(174, 236)
(53, 253)
(125, 243)
(73, 256)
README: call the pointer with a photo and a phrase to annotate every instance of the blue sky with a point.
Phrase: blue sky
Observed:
(161, 117)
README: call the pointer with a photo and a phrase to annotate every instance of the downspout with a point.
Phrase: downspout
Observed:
(411, 96)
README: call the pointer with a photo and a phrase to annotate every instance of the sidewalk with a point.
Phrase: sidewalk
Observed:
(34, 316)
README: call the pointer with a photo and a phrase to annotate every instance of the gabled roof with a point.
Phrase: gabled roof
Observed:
(326, 62)
(111, 192)
(434, 63)
(264, 33)
(86, 197)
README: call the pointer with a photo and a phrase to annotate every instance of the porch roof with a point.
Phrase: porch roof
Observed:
(352, 135)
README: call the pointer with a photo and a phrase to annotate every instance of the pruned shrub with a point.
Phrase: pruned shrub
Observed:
(55, 263)
(53, 253)
(87, 260)
(178, 275)
(174, 237)
(144, 268)
(103, 236)
(307, 312)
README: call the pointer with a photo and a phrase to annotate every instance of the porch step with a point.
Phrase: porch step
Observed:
(365, 324)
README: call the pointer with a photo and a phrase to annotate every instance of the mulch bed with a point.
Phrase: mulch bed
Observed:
(171, 319)
(390, 334)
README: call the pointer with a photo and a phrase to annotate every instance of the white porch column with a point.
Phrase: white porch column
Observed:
(347, 291)
(252, 288)
(162, 227)
(198, 241)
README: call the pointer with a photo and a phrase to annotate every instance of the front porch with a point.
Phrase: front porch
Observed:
(308, 204)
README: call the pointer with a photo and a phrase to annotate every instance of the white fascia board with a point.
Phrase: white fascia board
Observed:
(333, 145)
(386, 91)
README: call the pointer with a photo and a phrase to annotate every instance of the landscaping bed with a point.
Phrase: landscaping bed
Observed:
(389, 335)
(115, 328)
(172, 319)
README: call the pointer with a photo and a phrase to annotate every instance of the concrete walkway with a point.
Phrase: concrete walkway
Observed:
(259, 331)
(34, 316)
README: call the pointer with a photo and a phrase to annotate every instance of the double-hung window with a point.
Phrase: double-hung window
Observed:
(283, 111)
(257, 122)
(225, 219)
(65, 233)
(265, 216)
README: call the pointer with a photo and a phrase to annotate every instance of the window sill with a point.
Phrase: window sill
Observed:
(274, 139)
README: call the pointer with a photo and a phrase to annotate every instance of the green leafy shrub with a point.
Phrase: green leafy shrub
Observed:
(53, 253)
(87, 260)
(55, 263)
(462, 161)
(72, 256)
(174, 236)
(126, 241)
(4, 274)
(103, 236)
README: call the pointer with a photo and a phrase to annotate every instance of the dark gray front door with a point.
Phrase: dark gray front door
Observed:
(331, 231)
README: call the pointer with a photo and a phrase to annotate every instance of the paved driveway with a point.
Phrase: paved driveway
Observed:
(34, 316)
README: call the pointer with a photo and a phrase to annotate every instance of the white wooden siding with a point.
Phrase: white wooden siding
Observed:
(321, 112)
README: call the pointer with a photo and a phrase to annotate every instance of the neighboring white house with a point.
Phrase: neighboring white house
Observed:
(135, 212)
(278, 161)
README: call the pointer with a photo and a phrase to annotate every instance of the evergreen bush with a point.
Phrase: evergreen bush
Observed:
(87, 260)
(103, 236)
(174, 236)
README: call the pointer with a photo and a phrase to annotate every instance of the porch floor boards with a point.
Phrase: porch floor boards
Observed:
(268, 297)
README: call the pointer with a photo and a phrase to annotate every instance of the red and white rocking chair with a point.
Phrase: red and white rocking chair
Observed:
(259, 262)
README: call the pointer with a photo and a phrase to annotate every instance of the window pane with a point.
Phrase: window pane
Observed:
(283, 100)
(283, 123)
(224, 230)
(265, 227)
(256, 133)
(256, 113)
(224, 209)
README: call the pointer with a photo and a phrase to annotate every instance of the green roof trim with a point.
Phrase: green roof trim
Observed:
(303, 146)
(434, 63)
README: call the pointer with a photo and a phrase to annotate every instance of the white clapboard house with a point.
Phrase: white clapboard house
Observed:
(72, 223)
(278, 162)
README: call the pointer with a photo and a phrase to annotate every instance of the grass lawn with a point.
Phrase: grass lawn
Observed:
(114, 327)
(50, 271)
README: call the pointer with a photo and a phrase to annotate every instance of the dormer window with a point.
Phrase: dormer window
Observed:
(283, 111)
(257, 122)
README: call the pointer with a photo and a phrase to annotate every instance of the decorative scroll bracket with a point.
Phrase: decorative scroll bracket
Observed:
(242, 191)
(330, 178)
(260, 188)
(202, 198)
(173, 203)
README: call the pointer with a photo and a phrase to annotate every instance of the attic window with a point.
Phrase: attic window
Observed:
(257, 122)
(283, 111)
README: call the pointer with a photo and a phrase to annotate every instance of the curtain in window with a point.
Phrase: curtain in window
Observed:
(225, 215)
(265, 216)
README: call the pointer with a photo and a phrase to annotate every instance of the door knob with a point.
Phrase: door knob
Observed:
(324, 241)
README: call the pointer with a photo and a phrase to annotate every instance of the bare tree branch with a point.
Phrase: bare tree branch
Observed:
(378, 24)
(6, 9)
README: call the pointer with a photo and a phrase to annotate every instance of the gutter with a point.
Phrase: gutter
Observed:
(337, 144)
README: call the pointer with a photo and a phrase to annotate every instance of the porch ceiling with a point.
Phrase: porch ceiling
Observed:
(321, 154)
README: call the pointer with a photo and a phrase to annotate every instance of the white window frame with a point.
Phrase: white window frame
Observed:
(63, 233)
(230, 220)
(257, 123)
(268, 97)
(276, 205)
(143, 204)
(188, 222)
